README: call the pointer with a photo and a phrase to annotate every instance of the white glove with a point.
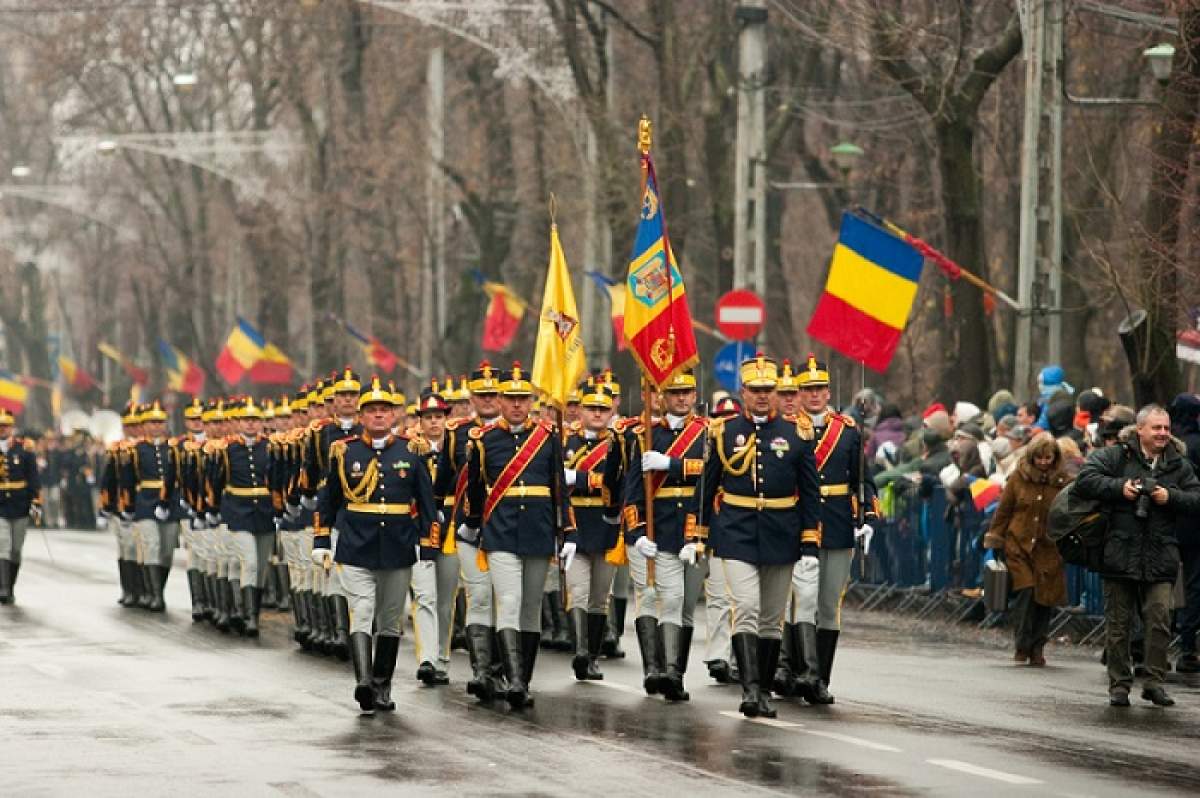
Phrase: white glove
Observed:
(569, 476)
(101, 522)
(184, 506)
(865, 533)
(646, 547)
(441, 517)
(161, 513)
(424, 565)
(567, 554)
(198, 524)
(321, 557)
(293, 510)
(35, 514)
(213, 519)
(612, 520)
(467, 533)
(655, 461)
(126, 518)
(689, 553)
(807, 581)
(308, 502)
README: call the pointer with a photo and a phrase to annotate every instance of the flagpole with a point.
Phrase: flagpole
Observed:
(645, 137)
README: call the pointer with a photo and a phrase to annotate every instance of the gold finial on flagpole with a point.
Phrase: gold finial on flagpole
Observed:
(553, 210)
(645, 134)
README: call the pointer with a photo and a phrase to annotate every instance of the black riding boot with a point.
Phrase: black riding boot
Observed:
(784, 681)
(646, 628)
(579, 663)
(615, 628)
(300, 615)
(237, 613)
(251, 602)
(547, 636)
(318, 641)
(223, 604)
(560, 638)
(809, 684)
(341, 620)
(672, 682)
(155, 575)
(510, 652)
(685, 648)
(479, 647)
(596, 623)
(214, 598)
(269, 595)
(145, 596)
(6, 582)
(196, 588)
(128, 598)
(529, 650)
(458, 637)
(386, 648)
(768, 657)
(282, 578)
(360, 652)
(826, 646)
(745, 651)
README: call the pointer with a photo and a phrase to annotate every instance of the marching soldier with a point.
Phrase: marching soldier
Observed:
(760, 470)
(619, 599)
(215, 565)
(668, 471)
(515, 511)
(186, 452)
(241, 499)
(717, 606)
(112, 506)
(847, 500)
(450, 488)
(435, 582)
(148, 476)
(20, 501)
(379, 495)
(285, 472)
(123, 505)
(592, 470)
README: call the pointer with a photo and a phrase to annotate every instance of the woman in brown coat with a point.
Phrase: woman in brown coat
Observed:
(1018, 534)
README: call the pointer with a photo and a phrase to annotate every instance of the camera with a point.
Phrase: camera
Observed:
(1145, 488)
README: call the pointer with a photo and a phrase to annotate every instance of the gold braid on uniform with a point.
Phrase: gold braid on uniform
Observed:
(742, 460)
(361, 492)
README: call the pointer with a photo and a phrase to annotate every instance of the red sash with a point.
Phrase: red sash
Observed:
(514, 468)
(686, 438)
(829, 441)
(593, 458)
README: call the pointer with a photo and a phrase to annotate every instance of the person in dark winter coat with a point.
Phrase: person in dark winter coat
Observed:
(1185, 425)
(889, 427)
(1146, 485)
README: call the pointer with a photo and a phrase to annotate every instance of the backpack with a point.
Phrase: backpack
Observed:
(1078, 527)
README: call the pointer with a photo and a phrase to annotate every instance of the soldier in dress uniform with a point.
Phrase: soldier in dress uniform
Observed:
(112, 511)
(718, 650)
(20, 501)
(241, 499)
(761, 475)
(148, 475)
(668, 471)
(435, 582)
(450, 488)
(185, 453)
(591, 475)
(516, 511)
(379, 495)
(285, 470)
(214, 565)
(459, 399)
(818, 590)
(619, 598)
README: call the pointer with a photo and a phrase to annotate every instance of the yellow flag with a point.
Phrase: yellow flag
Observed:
(558, 361)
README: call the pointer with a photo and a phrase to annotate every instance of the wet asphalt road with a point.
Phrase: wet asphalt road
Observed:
(100, 701)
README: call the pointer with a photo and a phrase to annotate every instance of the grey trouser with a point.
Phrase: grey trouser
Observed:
(519, 583)
(552, 582)
(126, 543)
(209, 550)
(168, 539)
(718, 608)
(228, 566)
(149, 542)
(835, 578)
(664, 600)
(253, 555)
(375, 597)
(12, 538)
(620, 585)
(297, 547)
(693, 589)
(589, 580)
(1120, 603)
(477, 586)
(759, 597)
(1031, 621)
(434, 586)
(806, 592)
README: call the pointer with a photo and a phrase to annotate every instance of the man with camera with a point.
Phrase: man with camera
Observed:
(1145, 484)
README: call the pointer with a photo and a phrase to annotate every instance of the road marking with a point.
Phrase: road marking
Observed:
(779, 724)
(861, 743)
(987, 773)
(615, 686)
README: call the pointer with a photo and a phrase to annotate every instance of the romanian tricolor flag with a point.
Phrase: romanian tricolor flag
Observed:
(869, 294)
(13, 392)
(183, 374)
(243, 348)
(378, 355)
(983, 492)
(139, 375)
(504, 314)
(615, 292)
(76, 378)
(272, 368)
(658, 323)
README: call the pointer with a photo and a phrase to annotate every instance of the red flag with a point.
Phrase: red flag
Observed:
(503, 317)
